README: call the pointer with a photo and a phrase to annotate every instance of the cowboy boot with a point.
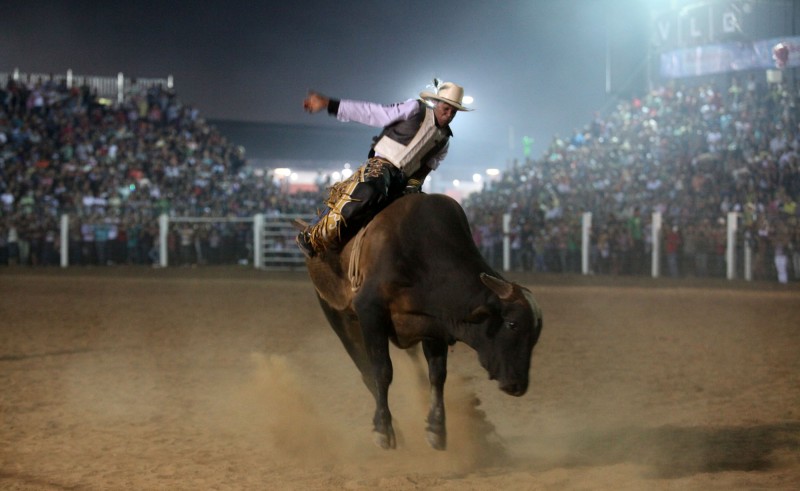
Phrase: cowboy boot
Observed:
(321, 235)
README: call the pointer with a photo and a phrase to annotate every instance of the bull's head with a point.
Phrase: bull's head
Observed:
(504, 332)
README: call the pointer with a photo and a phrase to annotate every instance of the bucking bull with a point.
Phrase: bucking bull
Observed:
(412, 275)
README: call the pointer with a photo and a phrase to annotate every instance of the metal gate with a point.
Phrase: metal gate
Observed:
(279, 251)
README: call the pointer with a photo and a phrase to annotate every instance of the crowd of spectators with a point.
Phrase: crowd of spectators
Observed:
(691, 153)
(113, 168)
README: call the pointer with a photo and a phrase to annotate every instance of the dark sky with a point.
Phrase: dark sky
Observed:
(537, 66)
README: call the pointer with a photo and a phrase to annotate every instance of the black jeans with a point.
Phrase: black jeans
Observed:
(355, 201)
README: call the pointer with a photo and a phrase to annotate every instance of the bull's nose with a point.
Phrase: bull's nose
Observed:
(515, 390)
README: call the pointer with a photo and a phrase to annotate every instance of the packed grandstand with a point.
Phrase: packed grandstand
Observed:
(692, 153)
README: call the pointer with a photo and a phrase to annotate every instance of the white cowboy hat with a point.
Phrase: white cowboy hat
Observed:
(447, 92)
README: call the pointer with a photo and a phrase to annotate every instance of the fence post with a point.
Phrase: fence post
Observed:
(120, 87)
(656, 237)
(258, 240)
(586, 229)
(730, 252)
(64, 240)
(163, 231)
(748, 260)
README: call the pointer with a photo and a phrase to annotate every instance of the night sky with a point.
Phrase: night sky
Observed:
(534, 68)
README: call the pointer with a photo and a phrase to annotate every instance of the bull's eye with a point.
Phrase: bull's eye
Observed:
(511, 325)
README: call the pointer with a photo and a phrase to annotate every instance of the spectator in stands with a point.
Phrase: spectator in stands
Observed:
(672, 245)
(12, 243)
(780, 248)
(186, 234)
(3, 240)
(689, 250)
(794, 247)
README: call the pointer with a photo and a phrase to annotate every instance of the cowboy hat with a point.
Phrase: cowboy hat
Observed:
(447, 92)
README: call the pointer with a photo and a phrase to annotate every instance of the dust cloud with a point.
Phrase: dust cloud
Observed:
(281, 405)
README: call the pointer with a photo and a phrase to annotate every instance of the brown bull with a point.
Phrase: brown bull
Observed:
(418, 277)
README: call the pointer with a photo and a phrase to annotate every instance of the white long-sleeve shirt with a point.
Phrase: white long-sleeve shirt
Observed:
(382, 115)
(377, 115)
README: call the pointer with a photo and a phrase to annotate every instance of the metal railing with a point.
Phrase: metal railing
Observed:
(107, 87)
(273, 246)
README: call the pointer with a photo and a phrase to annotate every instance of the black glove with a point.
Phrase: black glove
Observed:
(413, 186)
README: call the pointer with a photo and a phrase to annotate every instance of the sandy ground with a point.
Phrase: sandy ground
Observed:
(188, 379)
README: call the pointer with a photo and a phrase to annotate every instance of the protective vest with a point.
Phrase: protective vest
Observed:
(408, 144)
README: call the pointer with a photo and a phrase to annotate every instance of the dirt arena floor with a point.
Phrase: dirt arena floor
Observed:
(230, 379)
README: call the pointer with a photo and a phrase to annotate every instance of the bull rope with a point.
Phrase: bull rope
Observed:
(353, 271)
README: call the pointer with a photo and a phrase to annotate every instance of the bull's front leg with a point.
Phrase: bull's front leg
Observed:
(436, 355)
(376, 341)
(382, 421)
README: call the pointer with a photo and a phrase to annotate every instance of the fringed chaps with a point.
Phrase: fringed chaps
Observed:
(354, 201)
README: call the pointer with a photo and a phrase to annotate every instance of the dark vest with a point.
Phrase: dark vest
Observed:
(404, 131)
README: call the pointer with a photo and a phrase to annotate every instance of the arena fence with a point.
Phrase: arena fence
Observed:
(107, 87)
(656, 238)
(273, 238)
(273, 246)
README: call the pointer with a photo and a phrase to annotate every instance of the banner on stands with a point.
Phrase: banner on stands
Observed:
(729, 57)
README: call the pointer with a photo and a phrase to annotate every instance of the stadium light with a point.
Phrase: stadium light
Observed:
(492, 172)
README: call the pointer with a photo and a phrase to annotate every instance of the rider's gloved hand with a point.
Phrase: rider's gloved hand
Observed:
(413, 186)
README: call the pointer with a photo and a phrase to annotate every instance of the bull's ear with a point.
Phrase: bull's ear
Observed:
(499, 286)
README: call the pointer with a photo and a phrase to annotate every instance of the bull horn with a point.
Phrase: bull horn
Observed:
(501, 287)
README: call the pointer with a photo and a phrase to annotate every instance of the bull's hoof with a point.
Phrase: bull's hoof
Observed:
(437, 441)
(386, 441)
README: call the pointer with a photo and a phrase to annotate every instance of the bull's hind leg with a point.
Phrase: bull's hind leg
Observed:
(374, 324)
(436, 430)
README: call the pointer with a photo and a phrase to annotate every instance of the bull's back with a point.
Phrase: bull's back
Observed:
(428, 228)
(418, 239)
(435, 214)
